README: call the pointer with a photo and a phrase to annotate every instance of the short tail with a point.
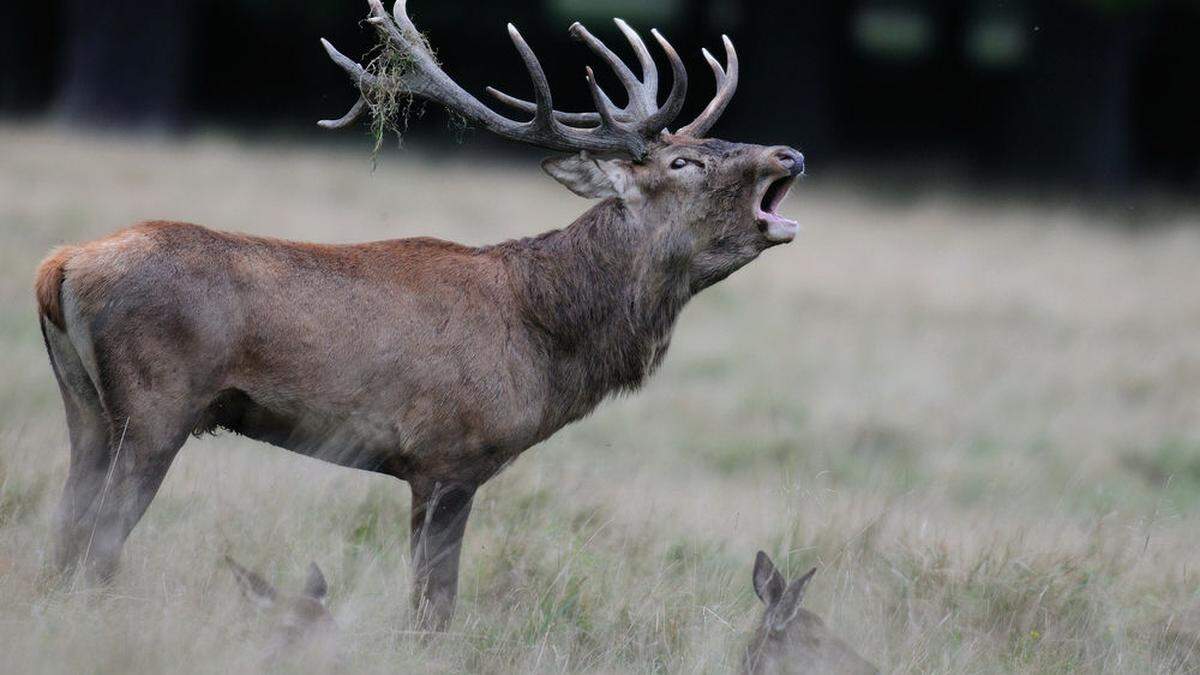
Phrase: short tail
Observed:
(48, 285)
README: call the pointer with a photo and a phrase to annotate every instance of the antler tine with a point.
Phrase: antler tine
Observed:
(395, 28)
(727, 80)
(649, 70)
(360, 76)
(580, 119)
(400, 14)
(544, 116)
(355, 71)
(604, 106)
(637, 106)
(348, 118)
(675, 99)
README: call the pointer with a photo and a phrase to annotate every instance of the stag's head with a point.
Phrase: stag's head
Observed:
(719, 198)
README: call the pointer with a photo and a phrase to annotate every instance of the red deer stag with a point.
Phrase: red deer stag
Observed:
(426, 360)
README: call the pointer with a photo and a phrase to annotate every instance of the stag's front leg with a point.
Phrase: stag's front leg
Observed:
(439, 518)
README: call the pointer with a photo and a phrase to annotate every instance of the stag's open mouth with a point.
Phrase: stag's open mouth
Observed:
(775, 227)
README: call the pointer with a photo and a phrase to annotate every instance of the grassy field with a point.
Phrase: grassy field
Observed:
(980, 419)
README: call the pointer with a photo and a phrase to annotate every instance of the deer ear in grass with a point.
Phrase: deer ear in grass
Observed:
(315, 586)
(256, 589)
(789, 602)
(768, 582)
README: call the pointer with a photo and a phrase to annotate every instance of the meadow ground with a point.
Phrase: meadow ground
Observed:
(979, 419)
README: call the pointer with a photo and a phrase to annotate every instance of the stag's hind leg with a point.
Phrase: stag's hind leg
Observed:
(87, 429)
(139, 459)
(439, 518)
(118, 461)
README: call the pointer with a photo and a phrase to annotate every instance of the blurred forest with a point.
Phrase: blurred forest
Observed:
(1099, 94)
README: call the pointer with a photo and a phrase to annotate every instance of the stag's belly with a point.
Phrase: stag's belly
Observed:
(428, 438)
(389, 397)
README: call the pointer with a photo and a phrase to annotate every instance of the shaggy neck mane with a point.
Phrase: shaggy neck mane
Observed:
(603, 295)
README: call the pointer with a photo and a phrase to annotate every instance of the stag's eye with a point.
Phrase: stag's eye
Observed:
(680, 162)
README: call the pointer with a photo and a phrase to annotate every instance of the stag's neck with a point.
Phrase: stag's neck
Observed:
(601, 297)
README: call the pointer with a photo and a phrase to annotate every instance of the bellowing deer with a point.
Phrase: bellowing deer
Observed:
(422, 359)
(791, 640)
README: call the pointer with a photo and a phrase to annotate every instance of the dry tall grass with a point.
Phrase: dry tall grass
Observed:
(979, 420)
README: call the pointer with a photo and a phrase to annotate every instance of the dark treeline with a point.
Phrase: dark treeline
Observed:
(1098, 93)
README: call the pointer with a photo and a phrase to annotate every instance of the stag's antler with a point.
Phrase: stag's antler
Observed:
(642, 112)
(727, 79)
(622, 131)
(610, 129)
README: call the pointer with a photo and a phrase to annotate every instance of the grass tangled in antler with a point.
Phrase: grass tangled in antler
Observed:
(390, 104)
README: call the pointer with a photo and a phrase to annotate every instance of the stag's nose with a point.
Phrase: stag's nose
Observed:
(790, 159)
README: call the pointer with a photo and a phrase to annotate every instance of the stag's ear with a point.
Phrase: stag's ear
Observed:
(768, 582)
(315, 586)
(592, 177)
(256, 589)
(789, 603)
